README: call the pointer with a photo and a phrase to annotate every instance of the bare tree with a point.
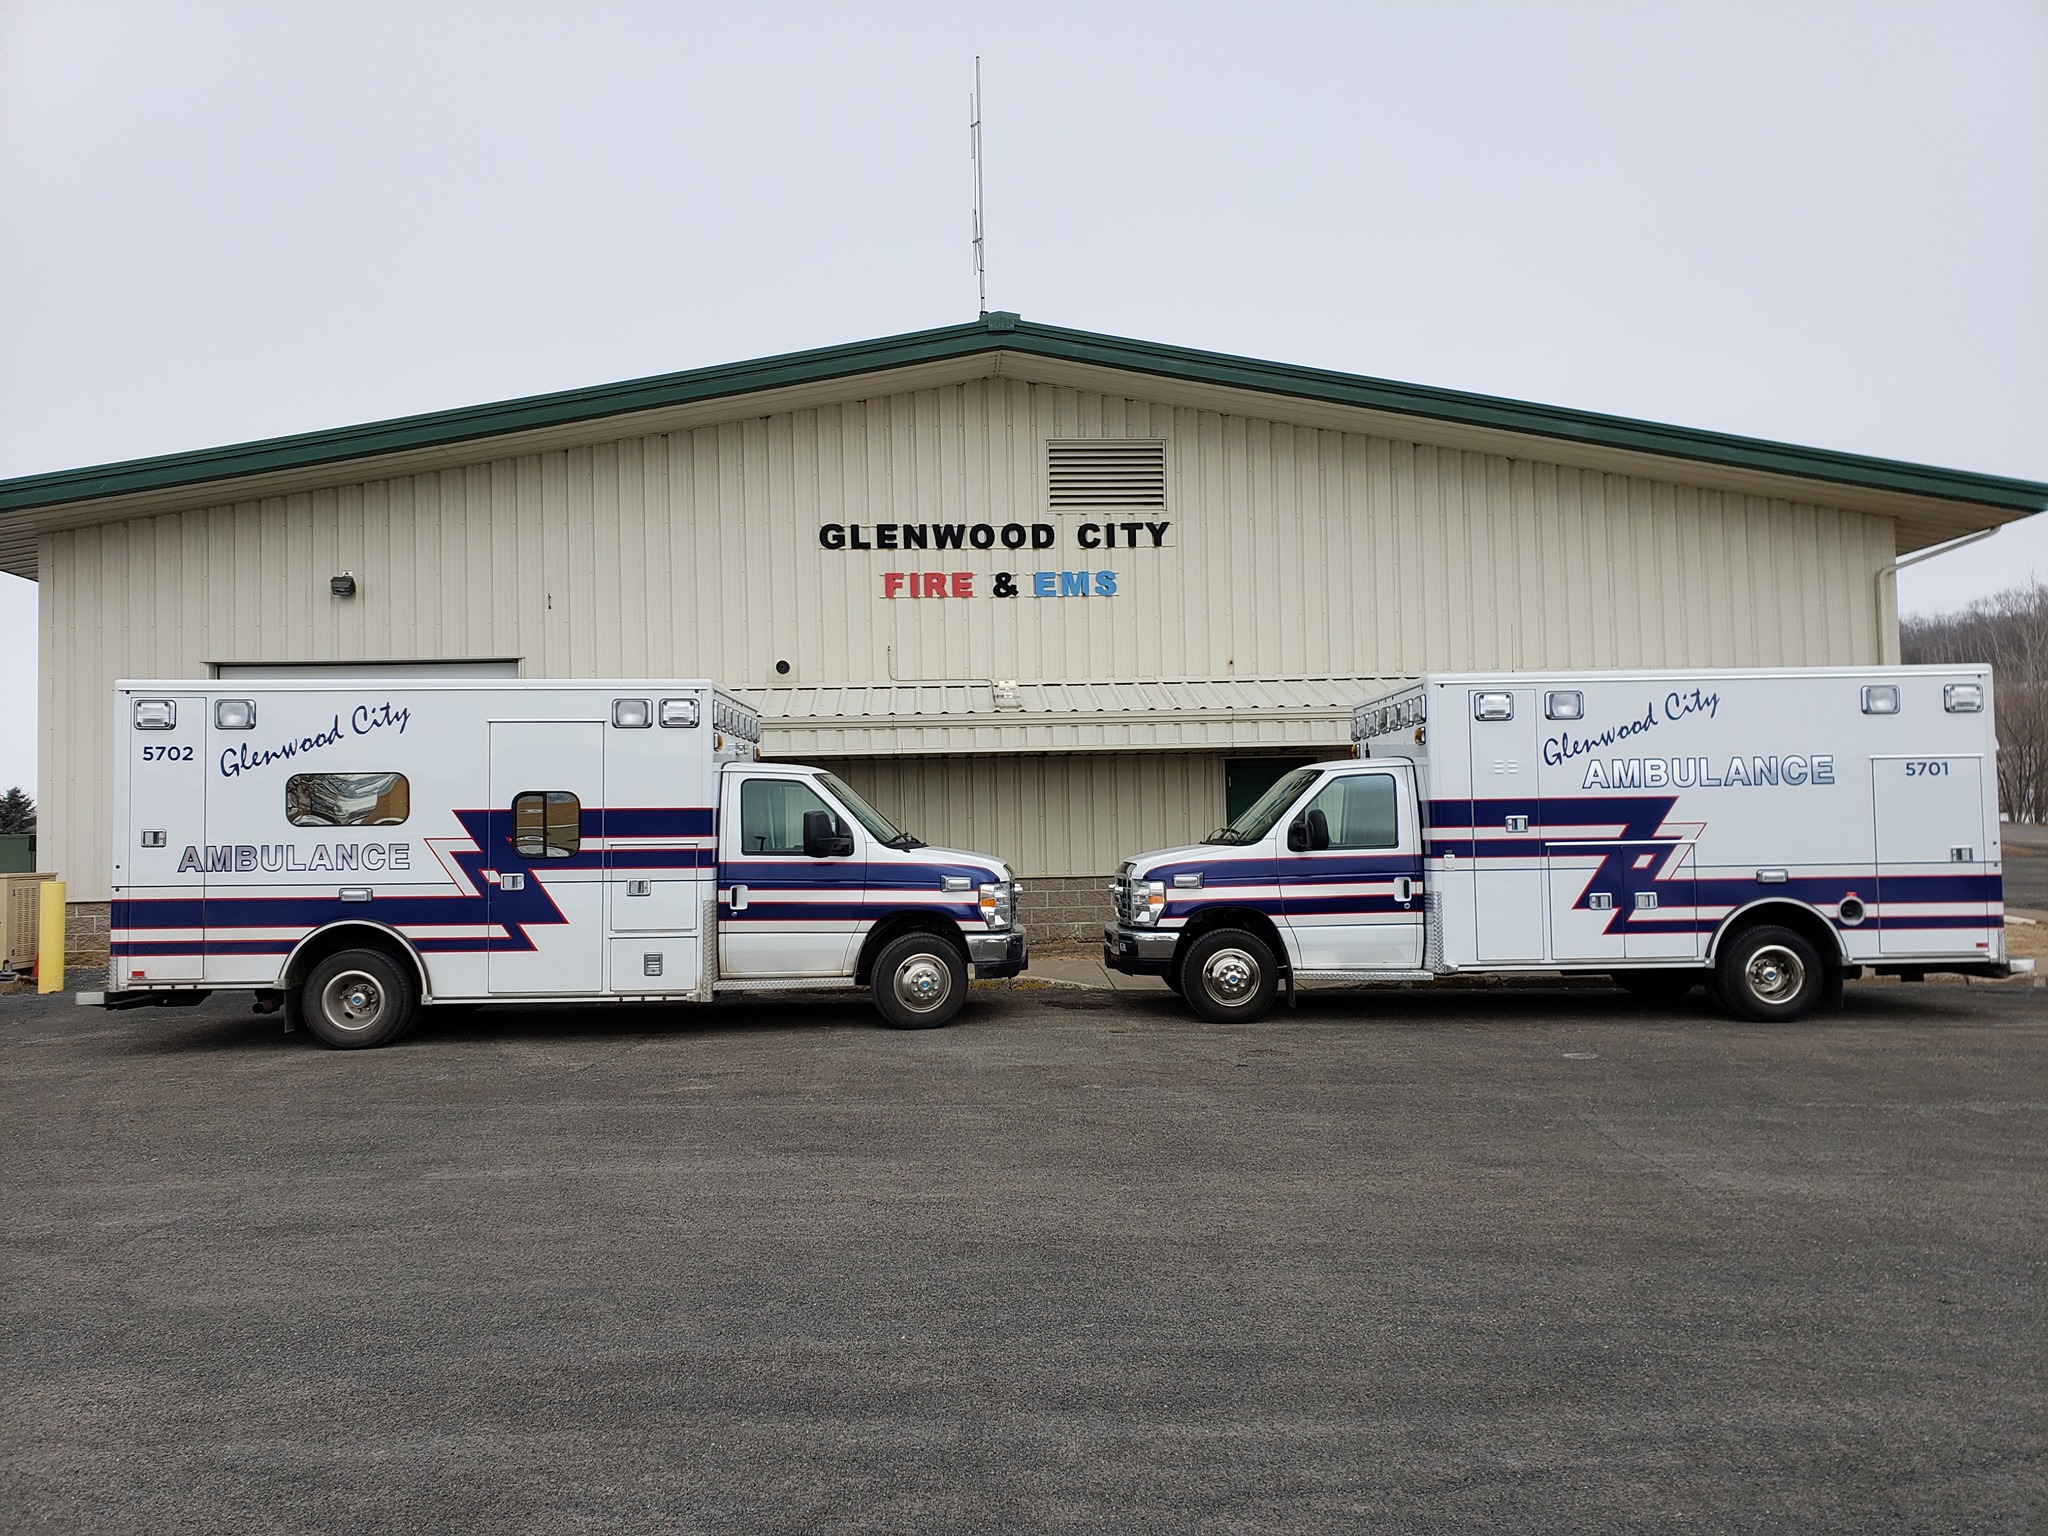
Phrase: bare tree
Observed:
(2009, 631)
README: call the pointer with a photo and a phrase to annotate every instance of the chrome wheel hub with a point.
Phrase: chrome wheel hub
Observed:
(1775, 974)
(1230, 976)
(352, 1000)
(923, 983)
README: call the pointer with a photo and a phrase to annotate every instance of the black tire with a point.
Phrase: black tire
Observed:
(1661, 986)
(1229, 976)
(1769, 974)
(919, 981)
(357, 999)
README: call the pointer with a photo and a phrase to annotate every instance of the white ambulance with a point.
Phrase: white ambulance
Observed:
(1766, 833)
(351, 850)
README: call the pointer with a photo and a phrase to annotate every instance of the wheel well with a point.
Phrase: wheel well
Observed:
(316, 947)
(1235, 917)
(1802, 920)
(893, 927)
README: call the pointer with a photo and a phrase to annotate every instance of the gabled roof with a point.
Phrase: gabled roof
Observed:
(1931, 503)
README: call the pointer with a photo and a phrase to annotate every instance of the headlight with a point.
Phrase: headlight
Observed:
(999, 904)
(1148, 899)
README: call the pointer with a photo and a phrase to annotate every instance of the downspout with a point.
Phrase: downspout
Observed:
(1891, 573)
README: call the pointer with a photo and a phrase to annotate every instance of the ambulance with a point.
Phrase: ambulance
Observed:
(352, 851)
(1765, 834)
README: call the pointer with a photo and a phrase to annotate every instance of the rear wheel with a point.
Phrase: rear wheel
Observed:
(1229, 976)
(919, 981)
(1769, 974)
(357, 999)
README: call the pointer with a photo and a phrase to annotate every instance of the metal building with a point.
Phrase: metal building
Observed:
(1049, 593)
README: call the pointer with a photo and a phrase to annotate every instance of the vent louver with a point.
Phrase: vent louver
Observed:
(1115, 473)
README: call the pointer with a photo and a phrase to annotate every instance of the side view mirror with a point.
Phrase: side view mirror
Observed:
(1308, 833)
(822, 837)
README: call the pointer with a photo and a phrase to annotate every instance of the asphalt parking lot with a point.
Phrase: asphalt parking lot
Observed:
(1523, 1260)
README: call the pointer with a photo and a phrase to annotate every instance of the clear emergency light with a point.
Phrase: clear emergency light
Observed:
(1963, 698)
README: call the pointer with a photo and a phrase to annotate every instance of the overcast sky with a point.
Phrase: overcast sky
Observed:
(1823, 223)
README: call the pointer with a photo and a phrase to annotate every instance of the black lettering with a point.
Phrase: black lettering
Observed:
(950, 534)
(854, 540)
(1131, 534)
(1006, 584)
(1014, 535)
(885, 535)
(1088, 536)
(914, 536)
(1158, 532)
(1042, 535)
(982, 536)
(832, 536)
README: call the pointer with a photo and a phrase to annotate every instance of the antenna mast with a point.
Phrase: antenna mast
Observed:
(974, 150)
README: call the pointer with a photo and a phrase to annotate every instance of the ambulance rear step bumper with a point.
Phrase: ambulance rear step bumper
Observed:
(1996, 969)
(184, 997)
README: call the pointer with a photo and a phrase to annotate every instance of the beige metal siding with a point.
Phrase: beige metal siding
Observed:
(1295, 552)
(1063, 815)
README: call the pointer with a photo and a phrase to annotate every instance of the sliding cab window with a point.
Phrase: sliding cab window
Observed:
(347, 799)
(547, 824)
(772, 816)
(1359, 811)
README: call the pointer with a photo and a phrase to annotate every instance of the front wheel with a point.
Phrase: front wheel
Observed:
(357, 999)
(1769, 974)
(1229, 976)
(919, 981)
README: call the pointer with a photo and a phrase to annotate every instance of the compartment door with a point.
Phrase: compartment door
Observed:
(1662, 920)
(1508, 873)
(1934, 886)
(544, 886)
(158, 914)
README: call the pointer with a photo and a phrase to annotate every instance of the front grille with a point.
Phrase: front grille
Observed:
(1120, 894)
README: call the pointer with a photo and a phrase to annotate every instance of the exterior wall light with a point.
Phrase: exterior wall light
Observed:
(343, 585)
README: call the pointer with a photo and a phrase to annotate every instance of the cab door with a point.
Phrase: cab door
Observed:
(783, 912)
(543, 887)
(1350, 873)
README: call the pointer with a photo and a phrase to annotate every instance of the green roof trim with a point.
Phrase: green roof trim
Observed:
(1008, 333)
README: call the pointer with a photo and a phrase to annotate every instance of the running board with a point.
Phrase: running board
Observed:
(791, 984)
(1365, 975)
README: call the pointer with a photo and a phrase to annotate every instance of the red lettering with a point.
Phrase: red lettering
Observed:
(934, 583)
(963, 583)
(891, 580)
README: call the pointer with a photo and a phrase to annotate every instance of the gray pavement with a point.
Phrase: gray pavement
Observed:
(2026, 867)
(1521, 1260)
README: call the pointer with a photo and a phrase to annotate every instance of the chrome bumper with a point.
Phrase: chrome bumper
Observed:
(998, 954)
(1138, 951)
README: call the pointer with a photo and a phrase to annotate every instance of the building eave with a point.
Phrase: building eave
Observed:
(1930, 503)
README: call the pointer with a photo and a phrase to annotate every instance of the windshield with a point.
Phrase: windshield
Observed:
(885, 831)
(1258, 821)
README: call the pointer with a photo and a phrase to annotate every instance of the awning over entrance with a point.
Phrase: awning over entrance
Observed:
(990, 716)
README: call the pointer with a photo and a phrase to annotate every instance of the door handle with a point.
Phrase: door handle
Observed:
(511, 882)
(736, 899)
(639, 887)
(1404, 889)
